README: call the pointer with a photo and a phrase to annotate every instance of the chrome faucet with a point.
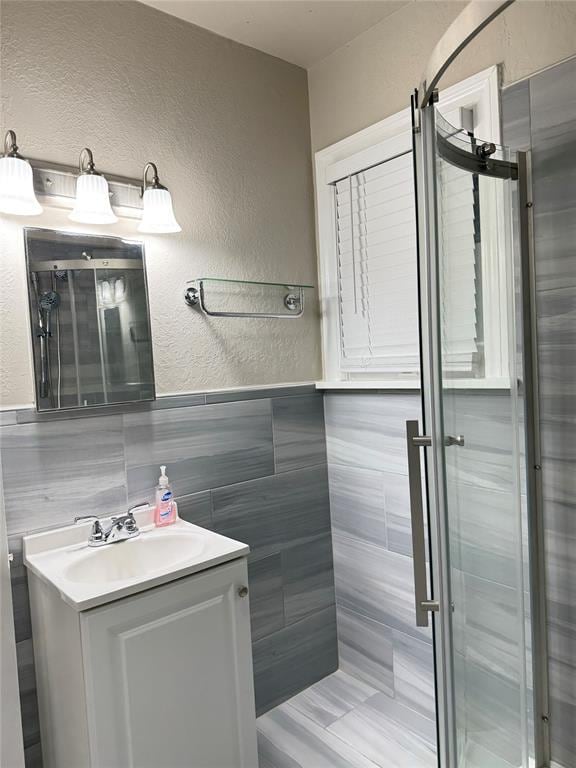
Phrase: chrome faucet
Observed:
(121, 527)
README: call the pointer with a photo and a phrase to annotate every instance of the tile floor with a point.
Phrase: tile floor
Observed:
(342, 722)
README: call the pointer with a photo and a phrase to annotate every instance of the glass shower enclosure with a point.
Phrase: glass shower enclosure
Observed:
(479, 448)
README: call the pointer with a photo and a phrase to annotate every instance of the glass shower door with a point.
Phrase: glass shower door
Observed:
(473, 426)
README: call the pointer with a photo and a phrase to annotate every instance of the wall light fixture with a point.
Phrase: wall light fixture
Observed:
(157, 214)
(17, 194)
(92, 205)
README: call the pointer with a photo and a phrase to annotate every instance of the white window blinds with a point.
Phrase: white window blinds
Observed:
(377, 269)
(376, 243)
(459, 254)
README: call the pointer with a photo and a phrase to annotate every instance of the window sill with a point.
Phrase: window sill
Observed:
(414, 385)
(376, 386)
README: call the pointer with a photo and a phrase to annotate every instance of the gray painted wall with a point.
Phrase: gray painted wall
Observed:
(248, 465)
(540, 113)
(373, 75)
(229, 129)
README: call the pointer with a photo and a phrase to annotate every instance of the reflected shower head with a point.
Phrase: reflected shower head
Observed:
(49, 300)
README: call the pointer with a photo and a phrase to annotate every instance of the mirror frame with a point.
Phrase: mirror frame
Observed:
(85, 238)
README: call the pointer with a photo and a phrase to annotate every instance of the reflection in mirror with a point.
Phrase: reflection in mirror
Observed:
(89, 320)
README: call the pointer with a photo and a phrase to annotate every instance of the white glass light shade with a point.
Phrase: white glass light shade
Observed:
(17, 188)
(105, 292)
(92, 205)
(119, 290)
(158, 214)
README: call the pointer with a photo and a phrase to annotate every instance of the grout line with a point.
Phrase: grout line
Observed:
(125, 460)
(315, 465)
(264, 477)
(309, 617)
(274, 437)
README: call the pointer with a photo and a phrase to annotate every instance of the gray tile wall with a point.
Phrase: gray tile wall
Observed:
(486, 535)
(379, 642)
(540, 114)
(253, 468)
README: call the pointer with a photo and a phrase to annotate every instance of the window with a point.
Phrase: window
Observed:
(367, 245)
(460, 246)
(376, 247)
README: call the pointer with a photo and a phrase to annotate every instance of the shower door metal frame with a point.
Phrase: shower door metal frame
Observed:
(535, 499)
(423, 126)
(440, 601)
(466, 26)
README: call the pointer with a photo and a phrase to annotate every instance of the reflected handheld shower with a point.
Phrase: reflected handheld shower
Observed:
(47, 301)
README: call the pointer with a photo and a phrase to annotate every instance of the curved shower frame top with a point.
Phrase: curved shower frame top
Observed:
(465, 27)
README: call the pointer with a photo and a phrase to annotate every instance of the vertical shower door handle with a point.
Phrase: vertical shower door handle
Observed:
(415, 441)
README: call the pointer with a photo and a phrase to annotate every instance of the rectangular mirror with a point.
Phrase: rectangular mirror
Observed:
(89, 320)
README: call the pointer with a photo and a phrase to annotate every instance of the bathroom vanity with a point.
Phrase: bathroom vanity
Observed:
(142, 649)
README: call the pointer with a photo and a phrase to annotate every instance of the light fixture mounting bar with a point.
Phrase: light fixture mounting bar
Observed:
(54, 181)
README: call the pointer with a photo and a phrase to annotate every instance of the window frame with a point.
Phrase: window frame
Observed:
(376, 144)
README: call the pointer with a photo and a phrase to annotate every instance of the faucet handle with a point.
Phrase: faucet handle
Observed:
(81, 518)
(128, 521)
(137, 507)
(97, 532)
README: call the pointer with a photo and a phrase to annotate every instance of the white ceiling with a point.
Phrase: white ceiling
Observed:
(299, 31)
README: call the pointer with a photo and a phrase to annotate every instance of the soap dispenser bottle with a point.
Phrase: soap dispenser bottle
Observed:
(166, 511)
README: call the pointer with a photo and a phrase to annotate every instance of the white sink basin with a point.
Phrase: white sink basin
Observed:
(90, 576)
(135, 558)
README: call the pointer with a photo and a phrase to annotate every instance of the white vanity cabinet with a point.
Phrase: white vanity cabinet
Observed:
(158, 679)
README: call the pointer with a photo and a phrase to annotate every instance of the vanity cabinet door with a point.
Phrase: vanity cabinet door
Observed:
(168, 676)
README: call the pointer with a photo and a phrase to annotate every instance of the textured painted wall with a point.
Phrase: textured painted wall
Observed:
(228, 127)
(373, 76)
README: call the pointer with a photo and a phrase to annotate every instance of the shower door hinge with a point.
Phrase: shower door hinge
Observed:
(415, 112)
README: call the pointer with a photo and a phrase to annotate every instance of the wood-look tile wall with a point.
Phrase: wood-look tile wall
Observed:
(540, 114)
(248, 465)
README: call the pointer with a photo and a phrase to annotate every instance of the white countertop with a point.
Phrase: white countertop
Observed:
(87, 577)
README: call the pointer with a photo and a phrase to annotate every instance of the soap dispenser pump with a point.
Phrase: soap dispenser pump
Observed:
(166, 511)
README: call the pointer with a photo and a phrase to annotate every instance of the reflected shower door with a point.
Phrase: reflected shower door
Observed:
(474, 424)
